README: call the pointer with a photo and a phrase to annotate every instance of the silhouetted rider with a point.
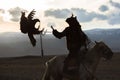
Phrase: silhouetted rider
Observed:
(75, 37)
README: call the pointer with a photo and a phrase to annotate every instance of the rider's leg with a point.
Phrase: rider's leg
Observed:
(71, 61)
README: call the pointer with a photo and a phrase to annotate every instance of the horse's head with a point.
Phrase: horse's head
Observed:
(106, 51)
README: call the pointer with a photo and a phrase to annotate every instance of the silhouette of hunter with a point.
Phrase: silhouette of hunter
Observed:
(76, 39)
(27, 25)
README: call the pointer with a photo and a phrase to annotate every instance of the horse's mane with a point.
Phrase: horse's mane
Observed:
(99, 47)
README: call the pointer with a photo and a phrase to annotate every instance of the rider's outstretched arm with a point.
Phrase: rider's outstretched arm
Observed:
(58, 34)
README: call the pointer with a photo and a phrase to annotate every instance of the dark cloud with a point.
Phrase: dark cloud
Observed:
(115, 4)
(15, 13)
(2, 11)
(114, 19)
(114, 16)
(82, 15)
(103, 8)
(63, 13)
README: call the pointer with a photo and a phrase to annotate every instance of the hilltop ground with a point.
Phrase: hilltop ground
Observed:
(32, 68)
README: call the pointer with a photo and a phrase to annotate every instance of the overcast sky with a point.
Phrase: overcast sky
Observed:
(90, 13)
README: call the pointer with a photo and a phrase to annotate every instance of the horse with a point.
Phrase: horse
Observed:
(87, 69)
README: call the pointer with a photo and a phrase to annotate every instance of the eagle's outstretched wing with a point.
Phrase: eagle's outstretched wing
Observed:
(31, 14)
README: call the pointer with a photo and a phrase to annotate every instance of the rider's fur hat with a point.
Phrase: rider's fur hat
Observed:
(72, 20)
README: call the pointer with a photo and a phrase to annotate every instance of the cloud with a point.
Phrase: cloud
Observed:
(2, 11)
(63, 13)
(15, 13)
(115, 4)
(82, 15)
(114, 16)
(103, 8)
(114, 19)
(51, 23)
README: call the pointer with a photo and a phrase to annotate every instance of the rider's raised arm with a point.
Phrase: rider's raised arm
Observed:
(59, 34)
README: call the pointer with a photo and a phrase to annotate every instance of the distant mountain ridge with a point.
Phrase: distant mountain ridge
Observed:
(18, 44)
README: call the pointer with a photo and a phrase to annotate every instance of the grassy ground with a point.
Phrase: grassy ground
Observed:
(23, 68)
(32, 68)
